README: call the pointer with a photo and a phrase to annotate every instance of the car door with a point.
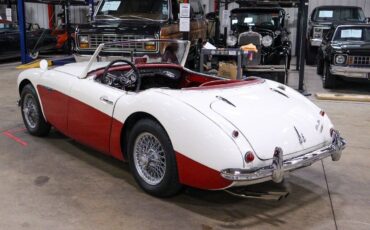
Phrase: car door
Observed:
(90, 111)
(54, 91)
(11, 45)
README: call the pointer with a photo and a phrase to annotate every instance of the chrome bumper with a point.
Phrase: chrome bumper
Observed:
(315, 41)
(351, 72)
(279, 166)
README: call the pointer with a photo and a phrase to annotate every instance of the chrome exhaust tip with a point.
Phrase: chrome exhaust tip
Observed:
(247, 194)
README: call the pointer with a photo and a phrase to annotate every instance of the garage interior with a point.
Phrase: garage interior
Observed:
(58, 183)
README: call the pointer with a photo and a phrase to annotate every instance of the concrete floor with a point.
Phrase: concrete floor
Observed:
(55, 183)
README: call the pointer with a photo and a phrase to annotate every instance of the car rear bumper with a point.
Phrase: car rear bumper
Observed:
(275, 171)
(350, 72)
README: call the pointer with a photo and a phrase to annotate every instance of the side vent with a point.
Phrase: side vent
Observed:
(279, 92)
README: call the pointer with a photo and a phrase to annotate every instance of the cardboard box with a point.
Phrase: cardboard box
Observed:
(228, 70)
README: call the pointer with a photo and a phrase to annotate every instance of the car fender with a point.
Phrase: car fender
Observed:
(197, 140)
(33, 76)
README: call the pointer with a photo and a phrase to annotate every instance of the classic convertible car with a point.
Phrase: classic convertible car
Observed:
(176, 127)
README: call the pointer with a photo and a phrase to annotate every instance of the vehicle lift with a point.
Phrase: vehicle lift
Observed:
(66, 4)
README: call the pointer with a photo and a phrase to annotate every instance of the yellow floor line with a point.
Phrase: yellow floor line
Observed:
(34, 64)
(343, 97)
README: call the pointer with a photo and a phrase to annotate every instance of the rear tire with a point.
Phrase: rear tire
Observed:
(152, 159)
(328, 79)
(31, 112)
(320, 67)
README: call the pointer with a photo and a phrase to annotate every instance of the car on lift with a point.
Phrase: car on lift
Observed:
(264, 27)
(175, 126)
(321, 21)
(132, 19)
(345, 54)
(38, 40)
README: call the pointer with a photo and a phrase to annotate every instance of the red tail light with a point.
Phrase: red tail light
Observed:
(249, 157)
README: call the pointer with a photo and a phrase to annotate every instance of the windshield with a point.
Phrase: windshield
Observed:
(7, 26)
(339, 14)
(163, 51)
(137, 9)
(352, 34)
(269, 20)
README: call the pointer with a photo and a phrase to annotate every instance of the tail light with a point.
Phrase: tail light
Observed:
(249, 157)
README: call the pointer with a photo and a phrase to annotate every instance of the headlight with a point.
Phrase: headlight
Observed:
(150, 46)
(340, 59)
(84, 41)
(231, 40)
(317, 32)
(267, 41)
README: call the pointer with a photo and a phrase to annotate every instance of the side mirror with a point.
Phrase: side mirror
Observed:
(367, 20)
(211, 16)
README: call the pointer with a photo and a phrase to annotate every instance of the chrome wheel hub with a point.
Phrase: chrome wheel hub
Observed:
(149, 158)
(30, 112)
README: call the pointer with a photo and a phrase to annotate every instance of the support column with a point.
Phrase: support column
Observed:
(302, 52)
(22, 31)
(91, 9)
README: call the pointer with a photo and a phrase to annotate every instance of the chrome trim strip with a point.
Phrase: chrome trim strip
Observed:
(274, 171)
(351, 72)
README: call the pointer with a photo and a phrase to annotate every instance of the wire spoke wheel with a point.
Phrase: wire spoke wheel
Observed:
(30, 111)
(149, 158)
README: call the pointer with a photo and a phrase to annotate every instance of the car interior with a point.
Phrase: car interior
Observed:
(147, 76)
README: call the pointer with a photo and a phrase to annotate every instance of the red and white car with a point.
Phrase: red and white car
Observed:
(174, 126)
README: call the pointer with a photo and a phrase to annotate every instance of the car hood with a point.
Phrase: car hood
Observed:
(267, 116)
(352, 47)
(121, 27)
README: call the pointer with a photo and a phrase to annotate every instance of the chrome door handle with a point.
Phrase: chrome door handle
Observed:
(105, 100)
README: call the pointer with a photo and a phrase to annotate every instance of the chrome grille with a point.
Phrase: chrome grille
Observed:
(254, 38)
(359, 60)
(250, 37)
(97, 39)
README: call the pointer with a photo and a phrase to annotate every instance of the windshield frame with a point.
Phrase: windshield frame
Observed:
(110, 17)
(100, 48)
(239, 13)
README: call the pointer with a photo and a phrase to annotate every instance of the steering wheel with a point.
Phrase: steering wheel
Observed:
(123, 79)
